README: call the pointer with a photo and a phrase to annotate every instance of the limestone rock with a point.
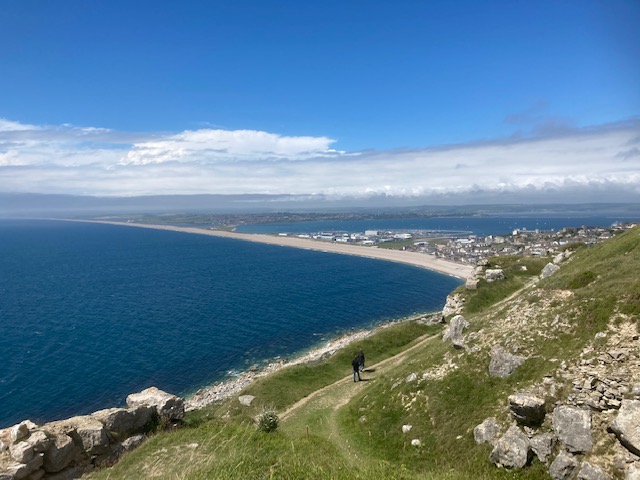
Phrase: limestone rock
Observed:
(493, 275)
(406, 428)
(453, 332)
(626, 426)
(133, 442)
(416, 442)
(511, 450)
(453, 305)
(486, 431)
(168, 406)
(527, 409)
(246, 399)
(548, 270)
(589, 471)
(126, 420)
(60, 454)
(573, 428)
(562, 466)
(412, 377)
(542, 446)
(503, 363)
(471, 283)
(21, 452)
(88, 433)
(39, 441)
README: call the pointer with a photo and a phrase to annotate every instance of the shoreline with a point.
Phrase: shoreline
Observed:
(224, 389)
(415, 259)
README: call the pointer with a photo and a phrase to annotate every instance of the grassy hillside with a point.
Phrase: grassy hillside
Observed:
(333, 428)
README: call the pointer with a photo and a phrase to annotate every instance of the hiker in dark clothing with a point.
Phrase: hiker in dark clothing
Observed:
(356, 367)
(361, 360)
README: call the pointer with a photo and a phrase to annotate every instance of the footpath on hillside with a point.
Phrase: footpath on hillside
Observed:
(316, 414)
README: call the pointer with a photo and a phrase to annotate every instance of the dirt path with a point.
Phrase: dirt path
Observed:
(318, 412)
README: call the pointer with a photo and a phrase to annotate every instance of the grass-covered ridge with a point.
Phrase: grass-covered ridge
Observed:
(333, 428)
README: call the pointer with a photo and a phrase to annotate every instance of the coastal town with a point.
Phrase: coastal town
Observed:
(470, 249)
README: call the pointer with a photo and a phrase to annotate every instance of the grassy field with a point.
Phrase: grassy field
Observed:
(334, 428)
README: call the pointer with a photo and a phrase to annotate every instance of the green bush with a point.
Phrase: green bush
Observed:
(268, 420)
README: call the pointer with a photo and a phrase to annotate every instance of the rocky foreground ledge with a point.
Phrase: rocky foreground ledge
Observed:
(66, 449)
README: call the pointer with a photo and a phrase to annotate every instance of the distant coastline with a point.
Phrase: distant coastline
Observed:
(410, 258)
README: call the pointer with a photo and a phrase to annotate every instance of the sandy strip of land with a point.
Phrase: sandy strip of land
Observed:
(412, 258)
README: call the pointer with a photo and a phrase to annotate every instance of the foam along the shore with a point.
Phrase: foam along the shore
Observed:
(411, 258)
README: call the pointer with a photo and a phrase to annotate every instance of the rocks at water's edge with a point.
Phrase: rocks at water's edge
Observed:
(67, 448)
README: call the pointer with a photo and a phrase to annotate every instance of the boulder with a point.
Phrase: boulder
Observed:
(626, 426)
(512, 449)
(453, 332)
(125, 420)
(573, 428)
(563, 466)
(39, 441)
(493, 275)
(527, 409)
(60, 454)
(589, 471)
(486, 431)
(133, 442)
(453, 305)
(542, 446)
(168, 406)
(503, 363)
(246, 399)
(548, 270)
(471, 283)
(87, 431)
(21, 452)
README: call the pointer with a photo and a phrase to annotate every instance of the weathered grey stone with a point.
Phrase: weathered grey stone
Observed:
(562, 466)
(19, 471)
(471, 283)
(486, 431)
(87, 431)
(453, 305)
(542, 446)
(573, 428)
(527, 409)
(133, 442)
(453, 332)
(406, 428)
(21, 452)
(589, 471)
(511, 450)
(167, 405)
(246, 399)
(548, 270)
(18, 432)
(39, 441)
(126, 420)
(74, 473)
(635, 391)
(503, 363)
(626, 426)
(60, 454)
(412, 377)
(493, 275)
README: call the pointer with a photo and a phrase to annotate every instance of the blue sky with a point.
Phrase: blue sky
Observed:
(134, 98)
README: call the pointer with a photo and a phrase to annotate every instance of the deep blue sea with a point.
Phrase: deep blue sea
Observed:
(488, 225)
(90, 313)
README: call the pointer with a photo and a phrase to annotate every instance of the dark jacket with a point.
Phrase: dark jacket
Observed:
(355, 363)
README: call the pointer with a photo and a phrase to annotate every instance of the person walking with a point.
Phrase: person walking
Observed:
(361, 360)
(356, 367)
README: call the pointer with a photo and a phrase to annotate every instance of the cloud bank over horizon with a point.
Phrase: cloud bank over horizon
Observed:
(598, 163)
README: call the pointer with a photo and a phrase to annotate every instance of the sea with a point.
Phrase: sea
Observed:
(90, 313)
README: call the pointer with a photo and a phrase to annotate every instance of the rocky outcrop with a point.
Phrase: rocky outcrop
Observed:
(527, 409)
(487, 431)
(512, 450)
(548, 270)
(493, 275)
(453, 305)
(453, 332)
(563, 466)
(573, 428)
(503, 363)
(65, 448)
(167, 406)
(626, 426)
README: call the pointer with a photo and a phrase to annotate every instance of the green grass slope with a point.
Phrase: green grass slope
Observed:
(333, 428)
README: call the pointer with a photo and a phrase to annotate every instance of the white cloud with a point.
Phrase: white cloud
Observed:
(86, 160)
